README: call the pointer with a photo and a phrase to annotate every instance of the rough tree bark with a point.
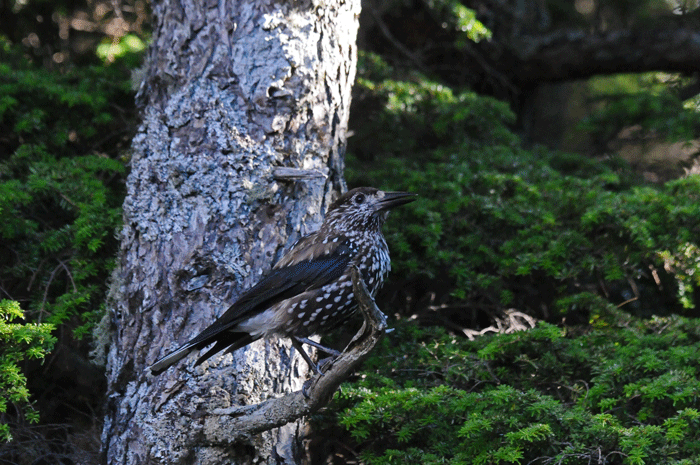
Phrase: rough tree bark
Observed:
(235, 95)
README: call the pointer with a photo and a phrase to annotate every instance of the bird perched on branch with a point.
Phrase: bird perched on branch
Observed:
(309, 291)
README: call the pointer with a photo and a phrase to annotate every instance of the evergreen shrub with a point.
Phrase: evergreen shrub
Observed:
(623, 392)
(511, 227)
(18, 342)
(61, 185)
(572, 240)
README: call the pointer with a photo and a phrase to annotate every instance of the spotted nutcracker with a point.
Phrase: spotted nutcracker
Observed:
(309, 291)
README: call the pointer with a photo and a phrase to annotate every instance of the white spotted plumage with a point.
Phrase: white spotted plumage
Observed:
(310, 289)
(361, 228)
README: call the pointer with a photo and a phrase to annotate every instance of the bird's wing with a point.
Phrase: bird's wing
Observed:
(308, 265)
(309, 248)
(316, 269)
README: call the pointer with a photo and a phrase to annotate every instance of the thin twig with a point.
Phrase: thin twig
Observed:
(70, 275)
(46, 292)
(415, 59)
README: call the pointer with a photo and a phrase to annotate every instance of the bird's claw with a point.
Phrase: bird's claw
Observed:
(321, 366)
(305, 389)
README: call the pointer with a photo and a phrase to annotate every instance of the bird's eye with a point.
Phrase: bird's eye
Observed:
(359, 199)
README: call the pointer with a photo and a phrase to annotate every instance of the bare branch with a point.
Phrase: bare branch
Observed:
(245, 421)
(566, 55)
(282, 173)
(413, 57)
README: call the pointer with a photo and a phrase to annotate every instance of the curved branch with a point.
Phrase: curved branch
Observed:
(568, 55)
(243, 422)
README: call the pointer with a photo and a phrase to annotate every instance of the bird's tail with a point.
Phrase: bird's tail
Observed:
(232, 340)
(173, 357)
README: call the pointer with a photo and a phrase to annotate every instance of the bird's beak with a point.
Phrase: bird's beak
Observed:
(395, 199)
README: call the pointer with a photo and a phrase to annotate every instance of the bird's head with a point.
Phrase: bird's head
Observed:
(364, 208)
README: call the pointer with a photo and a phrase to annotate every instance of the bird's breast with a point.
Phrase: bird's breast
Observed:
(373, 261)
(320, 309)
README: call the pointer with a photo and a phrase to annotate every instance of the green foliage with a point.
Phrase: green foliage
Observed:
(686, 258)
(18, 342)
(625, 393)
(495, 221)
(111, 49)
(420, 116)
(556, 235)
(61, 185)
(462, 19)
(649, 107)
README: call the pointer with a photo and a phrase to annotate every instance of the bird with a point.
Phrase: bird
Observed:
(309, 290)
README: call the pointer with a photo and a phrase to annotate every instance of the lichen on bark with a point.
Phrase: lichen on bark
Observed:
(232, 91)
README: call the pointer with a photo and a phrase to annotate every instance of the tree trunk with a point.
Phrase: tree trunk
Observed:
(233, 92)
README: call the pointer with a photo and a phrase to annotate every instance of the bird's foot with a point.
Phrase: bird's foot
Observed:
(325, 363)
(318, 368)
(322, 348)
(297, 345)
(305, 388)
